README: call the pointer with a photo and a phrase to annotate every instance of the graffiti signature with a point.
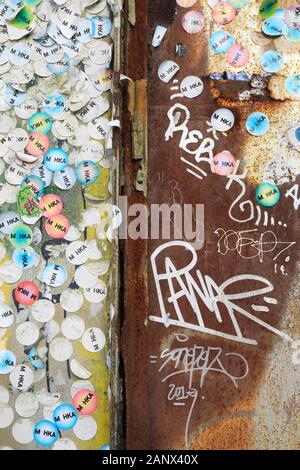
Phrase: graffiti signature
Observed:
(182, 287)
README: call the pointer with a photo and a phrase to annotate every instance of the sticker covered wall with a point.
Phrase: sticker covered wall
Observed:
(56, 165)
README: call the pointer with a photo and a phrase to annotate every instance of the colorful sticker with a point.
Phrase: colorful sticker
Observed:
(267, 194)
(65, 417)
(40, 122)
(292, 85)
(56, 160)
(24, 258)
(21, 236)
(193, 22)
(257, 124)
(7, 361)
(57, 226)
(221, 41)
(223, 12)
(54, 275)
(26, 293)
(272, 61)
(268, 8)
(85, 402)
(223, 163)
(51, 205)
(45, 433)
(38, 144)
(238, 55)
(87, 172)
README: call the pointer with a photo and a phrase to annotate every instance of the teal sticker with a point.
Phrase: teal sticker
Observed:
(267, 194)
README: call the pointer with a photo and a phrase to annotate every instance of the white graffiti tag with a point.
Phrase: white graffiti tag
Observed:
(183, 289)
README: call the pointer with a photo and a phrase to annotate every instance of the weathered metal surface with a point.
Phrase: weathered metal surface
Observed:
(205, 402)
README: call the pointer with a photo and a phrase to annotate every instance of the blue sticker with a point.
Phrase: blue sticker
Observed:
(87, 172)
(272, 61)
(221, 41)
(279, 13)
(7, 361)
(297, 134)
(292, 84)
(14, 97)
(54, 104)
(101, 26)
(267, 194)
(65, 416)
(292, 34)
(35, 360)
(24, 258)
(105, 447)
(257, 124)
(274, 26)
(45, 433)
(60, 67)
(54, 275)
(56, 159)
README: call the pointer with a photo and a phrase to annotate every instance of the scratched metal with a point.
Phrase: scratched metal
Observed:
(217, 411)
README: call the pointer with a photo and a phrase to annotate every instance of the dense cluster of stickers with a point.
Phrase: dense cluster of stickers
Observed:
(276, 23)
(55, 141)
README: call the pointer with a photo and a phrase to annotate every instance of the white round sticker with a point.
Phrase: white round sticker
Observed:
(93, 340)
(22, 430)
(222, 120)
(65, 179)
(4, 395)
(191, 86)
(43, 310)
(77, 253)
(72, 327)
(86, 428)
(61, 349)
(27, 405)
(21, 377)
(6, 416)
(71, 300)
(96, 294)
(64, 444)
(167, 70)
(6, 316)
(27, 333)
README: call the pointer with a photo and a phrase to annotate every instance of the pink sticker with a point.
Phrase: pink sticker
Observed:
(26, 293)
(38, 144)
(223, 12)
(223, 163)
(57, 226)
(85, 402)
(51, 205)
(193, 22)
(238, 55)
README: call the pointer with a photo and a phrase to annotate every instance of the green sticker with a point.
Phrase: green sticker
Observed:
(28, 206)
(23, 19)
(20, 236)
(268, 8)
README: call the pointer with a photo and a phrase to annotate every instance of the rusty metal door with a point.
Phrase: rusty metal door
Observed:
(209, 332)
